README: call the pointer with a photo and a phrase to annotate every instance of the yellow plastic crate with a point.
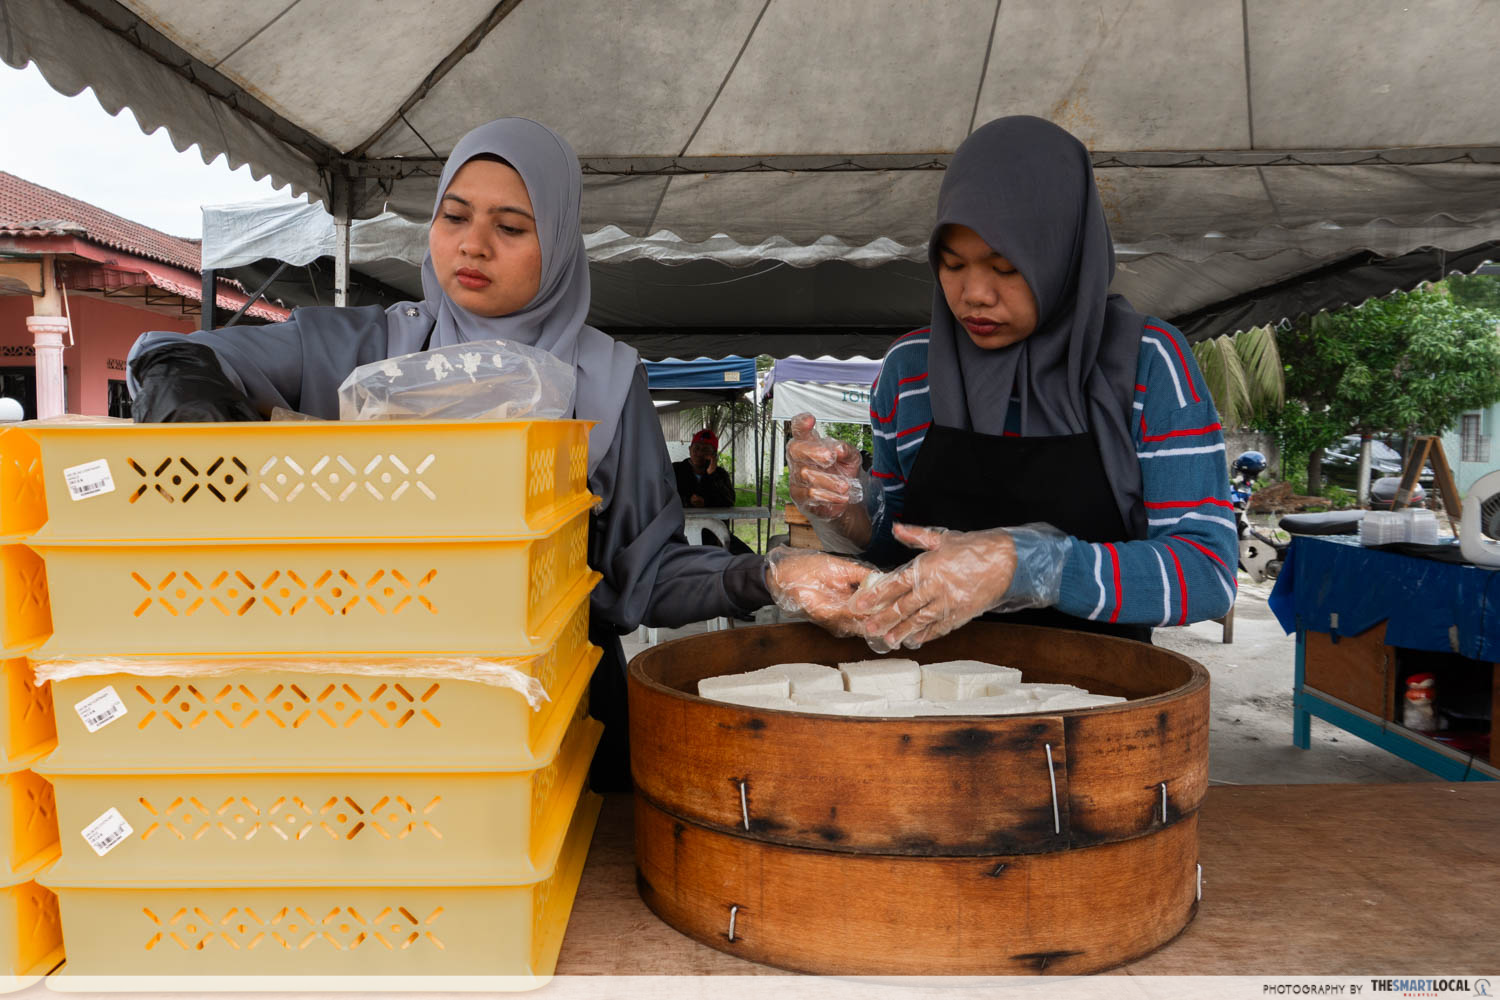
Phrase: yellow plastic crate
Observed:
(402, 828)
(482, 597)
(393, 937)
(273, 721)
(25, 611)
(30, 934)
(28, 822)
(27, 727)
(309, 480)
(23, 504)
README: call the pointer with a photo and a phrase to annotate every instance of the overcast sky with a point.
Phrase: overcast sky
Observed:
(70, 144)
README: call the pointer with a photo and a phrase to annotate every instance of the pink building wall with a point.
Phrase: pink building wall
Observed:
(103, 330)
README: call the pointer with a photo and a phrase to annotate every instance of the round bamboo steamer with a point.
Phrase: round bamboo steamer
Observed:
(830, 913)
(1061, 842)
(939, 785)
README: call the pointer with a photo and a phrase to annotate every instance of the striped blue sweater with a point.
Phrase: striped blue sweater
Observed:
(1184, 571)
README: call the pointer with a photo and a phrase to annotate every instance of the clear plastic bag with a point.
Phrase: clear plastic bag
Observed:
(478, 380)
(496, 673)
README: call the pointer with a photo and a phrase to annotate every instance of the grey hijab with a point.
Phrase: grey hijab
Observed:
(554, 319)
(1027, 188)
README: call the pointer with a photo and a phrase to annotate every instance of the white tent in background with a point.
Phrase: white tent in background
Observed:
(834, 391)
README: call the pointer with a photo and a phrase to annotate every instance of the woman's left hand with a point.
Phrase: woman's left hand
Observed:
(958, 576)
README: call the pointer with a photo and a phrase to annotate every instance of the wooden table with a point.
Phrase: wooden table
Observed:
(1297, 880)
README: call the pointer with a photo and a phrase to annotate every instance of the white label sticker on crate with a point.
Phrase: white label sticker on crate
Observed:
(100, 709)
(105, 833)
(91, 479)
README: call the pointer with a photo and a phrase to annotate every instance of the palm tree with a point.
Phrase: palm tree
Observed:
(1244, 375)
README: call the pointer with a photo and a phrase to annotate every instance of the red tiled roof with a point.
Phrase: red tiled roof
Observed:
(28, 209)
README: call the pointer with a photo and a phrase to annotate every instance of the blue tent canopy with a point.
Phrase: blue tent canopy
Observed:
(733, 375)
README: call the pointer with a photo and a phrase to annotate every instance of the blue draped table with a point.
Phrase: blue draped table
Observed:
(1340, 589)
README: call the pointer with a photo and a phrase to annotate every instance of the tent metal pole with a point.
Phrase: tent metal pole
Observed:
(755, 415)
(341, 218)
(210, 302)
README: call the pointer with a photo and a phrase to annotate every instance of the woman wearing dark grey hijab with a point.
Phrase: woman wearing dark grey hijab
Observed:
(506, 261)
(1043, 452)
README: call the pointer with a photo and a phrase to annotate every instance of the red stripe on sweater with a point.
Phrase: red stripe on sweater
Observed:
(1181, 582)
(1185, 432)
(1208, 552)
(913, 430)
(886, 475)
(1114, 557)
(914, 333)
(1180, 358)
(1139, 387)
(911, 378)
(1160, 504)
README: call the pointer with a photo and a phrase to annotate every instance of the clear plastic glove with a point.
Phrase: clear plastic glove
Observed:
(826, 481)
(818, 585)
(959, 576)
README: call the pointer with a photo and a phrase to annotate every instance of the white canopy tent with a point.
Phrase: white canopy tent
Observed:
(841, 404)
(1237, 145)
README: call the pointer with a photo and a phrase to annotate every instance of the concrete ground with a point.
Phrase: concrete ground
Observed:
(1250, 730)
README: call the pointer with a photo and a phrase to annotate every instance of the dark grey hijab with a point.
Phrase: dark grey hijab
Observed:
(554, 319)
(1027, 188)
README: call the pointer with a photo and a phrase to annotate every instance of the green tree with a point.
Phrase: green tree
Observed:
(1476, 291)
(1409, 362)
(1244, 375)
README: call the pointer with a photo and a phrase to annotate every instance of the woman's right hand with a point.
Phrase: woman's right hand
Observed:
(818, 585)
(822, 473)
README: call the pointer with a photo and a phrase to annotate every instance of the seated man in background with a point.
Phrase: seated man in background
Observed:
(702, 483)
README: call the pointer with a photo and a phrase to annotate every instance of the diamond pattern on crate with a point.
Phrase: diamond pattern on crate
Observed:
(25, 489)
(335, 478)
(293, 928)
(539, 897)
(291, 818)
(179, 480)
(578, 468)
(542, 783)
(540, 473)
(35, 803)
(578, 551)
(39, 915)
(30, 708)
(30, 582)
(289, 706)
(543, 573)
(284, 592)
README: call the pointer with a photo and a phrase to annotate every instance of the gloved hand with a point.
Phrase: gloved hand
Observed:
(824, 477)
(816, 584)
(957, 577)
(182, 382)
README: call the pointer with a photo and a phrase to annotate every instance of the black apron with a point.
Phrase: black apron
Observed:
(969, 481)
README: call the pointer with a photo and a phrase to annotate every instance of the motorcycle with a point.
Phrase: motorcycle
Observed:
(1261, 554)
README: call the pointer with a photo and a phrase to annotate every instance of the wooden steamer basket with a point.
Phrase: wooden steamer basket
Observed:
(1061, 842)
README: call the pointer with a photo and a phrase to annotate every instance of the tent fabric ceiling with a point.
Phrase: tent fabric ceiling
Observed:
(660, 293)
(1258, 140)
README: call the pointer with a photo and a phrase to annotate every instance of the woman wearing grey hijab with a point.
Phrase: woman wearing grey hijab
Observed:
(1046, 453)
(506, 261)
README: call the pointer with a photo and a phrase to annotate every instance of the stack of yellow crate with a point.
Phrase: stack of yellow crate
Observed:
(30, 934)
(297, 816)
